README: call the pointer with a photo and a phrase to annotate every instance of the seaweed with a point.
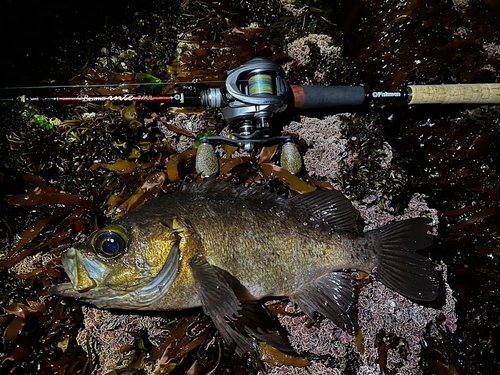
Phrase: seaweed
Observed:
(367, 168)
(42, 122)
(39, 337)
(98, 163)
(302, 17)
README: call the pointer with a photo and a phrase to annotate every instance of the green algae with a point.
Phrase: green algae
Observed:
(42, 122)
(155, 87)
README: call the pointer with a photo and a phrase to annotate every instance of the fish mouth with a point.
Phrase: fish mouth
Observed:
(85, 275)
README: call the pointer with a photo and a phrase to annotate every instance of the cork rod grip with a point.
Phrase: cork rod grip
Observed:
(478, 93)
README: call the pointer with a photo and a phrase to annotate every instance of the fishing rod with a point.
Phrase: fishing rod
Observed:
(253, 93)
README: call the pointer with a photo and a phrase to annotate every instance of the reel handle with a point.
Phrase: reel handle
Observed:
(206, 160)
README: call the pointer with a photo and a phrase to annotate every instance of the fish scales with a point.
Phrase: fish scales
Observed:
(269, 248)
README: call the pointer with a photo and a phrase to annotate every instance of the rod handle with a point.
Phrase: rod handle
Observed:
(309, 96)
(477, 93)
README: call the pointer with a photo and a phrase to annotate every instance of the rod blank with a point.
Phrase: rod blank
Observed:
(174, 100)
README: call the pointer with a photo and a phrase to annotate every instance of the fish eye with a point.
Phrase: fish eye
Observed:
(110, 242)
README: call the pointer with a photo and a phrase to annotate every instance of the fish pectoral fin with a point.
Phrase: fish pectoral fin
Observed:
(219, 302)
(331, 295)
(255, 318)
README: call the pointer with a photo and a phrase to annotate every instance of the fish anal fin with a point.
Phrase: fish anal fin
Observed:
(331, 207)
(331, 295)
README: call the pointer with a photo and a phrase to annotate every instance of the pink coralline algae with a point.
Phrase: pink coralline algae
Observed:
(378, 215)
(107, 333)
(383, 315)
(380, 310)
(314, 368)
(492, 50)
(326, 145)
(189, 123)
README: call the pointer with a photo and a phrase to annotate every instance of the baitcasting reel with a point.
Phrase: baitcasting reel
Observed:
(249, 96)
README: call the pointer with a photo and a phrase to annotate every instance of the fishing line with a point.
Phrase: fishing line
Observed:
(104, 85)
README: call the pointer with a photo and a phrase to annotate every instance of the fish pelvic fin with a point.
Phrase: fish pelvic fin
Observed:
(331, 295)
(398, 266)
(239, 323)
(257, 321)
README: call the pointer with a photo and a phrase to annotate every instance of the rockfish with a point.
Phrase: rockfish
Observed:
(227, 247)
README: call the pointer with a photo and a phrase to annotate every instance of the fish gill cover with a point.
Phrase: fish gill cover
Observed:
(95, 163)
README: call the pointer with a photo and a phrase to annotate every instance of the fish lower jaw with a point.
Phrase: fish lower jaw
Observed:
(69, 290)
(85, 274)
(83, 289)
(84, 284)
(62, 290)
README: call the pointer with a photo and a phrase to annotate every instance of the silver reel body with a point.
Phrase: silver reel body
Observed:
(249, 96)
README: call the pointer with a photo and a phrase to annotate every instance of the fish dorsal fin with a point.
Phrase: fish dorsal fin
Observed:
(331, 207)
(328, 206)
(213, 185)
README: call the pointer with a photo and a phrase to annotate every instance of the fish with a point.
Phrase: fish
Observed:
(227, 248)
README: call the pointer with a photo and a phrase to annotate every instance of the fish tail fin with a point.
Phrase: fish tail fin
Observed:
(398, 266)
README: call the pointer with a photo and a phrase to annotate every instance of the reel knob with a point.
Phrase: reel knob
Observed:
(290, 158)
(206, 160)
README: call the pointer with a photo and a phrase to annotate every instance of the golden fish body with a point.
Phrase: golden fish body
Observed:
(270, 252)
(219, 246)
